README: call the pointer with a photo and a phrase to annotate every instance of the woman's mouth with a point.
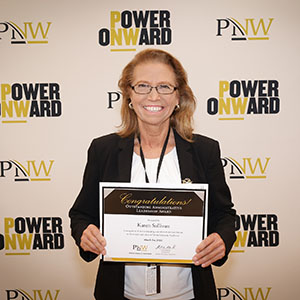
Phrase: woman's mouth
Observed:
(153, 108)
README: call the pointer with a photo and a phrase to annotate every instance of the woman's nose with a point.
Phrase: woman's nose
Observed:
(154, 95)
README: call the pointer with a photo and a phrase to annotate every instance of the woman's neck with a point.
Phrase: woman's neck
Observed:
(152, 140)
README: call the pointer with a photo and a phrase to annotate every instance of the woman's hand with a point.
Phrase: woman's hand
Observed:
(209, 250)
(92, 240)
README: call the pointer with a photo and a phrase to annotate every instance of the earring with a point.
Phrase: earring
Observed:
(130, 105)
(177, 107)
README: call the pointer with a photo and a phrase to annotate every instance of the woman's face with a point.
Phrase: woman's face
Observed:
(154, 108)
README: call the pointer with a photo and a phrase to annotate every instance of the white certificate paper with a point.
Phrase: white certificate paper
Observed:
(153, 223)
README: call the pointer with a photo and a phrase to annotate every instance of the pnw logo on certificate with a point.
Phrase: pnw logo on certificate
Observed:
(153, 223)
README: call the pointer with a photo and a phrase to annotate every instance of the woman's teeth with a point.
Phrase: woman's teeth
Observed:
(153, 108)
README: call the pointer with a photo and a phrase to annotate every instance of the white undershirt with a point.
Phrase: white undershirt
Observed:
(176, 280)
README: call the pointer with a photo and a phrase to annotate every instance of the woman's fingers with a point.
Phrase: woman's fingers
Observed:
(92, 240)
(209, 250)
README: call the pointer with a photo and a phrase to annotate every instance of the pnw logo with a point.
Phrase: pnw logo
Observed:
(24, 234)
(34, 295)
(31, 170)
(241, 98)
(246, 30)
(21, 101)
(257, 230)
(27, 33)
(247, 168)
(129, 29)
(140, 248)
(248, 293)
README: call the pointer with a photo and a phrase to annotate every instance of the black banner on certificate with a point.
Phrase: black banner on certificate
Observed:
(153, 202)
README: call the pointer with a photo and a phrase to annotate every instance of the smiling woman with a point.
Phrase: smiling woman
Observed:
(153, 109)
(155, 144)
(162, 68)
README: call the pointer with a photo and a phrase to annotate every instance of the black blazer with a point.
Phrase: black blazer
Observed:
(109, 159)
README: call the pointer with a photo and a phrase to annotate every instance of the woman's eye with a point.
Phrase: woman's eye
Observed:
(143, 85)
(164, 86)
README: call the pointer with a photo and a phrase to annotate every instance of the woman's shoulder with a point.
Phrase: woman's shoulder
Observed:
(108, 141)
(204, 140)
(199, 141)
(206, 147)
(108, 138)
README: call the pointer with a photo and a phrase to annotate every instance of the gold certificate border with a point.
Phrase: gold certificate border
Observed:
(150, 260)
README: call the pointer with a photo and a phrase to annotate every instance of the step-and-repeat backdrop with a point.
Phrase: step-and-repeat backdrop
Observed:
(60, 62)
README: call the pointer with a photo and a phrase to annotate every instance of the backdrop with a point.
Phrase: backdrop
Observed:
(60, 63)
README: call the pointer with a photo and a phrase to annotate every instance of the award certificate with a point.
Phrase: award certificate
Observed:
(153, 223)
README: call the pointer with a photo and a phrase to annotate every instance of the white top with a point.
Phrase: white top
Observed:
(176, 280)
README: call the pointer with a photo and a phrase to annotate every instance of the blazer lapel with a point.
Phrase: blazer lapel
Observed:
(191, 169)
(125, 158)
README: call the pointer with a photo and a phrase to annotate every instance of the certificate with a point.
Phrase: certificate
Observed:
(153, 223)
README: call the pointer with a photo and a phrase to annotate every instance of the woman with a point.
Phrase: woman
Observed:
(157, 111)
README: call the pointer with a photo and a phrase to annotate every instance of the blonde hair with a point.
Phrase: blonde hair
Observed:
(181, 119)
